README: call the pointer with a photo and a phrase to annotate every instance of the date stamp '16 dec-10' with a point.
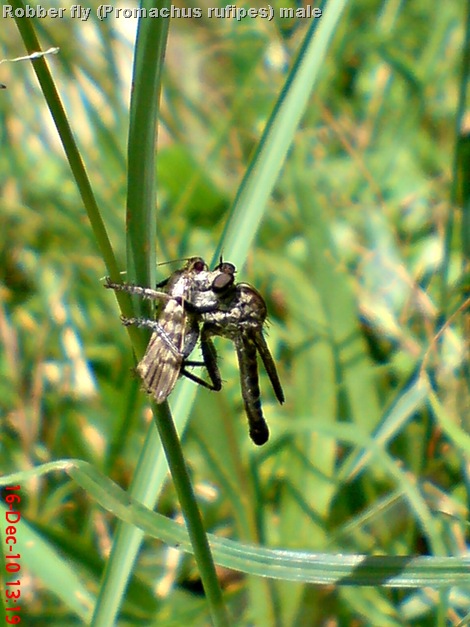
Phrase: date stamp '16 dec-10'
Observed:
(106, 11)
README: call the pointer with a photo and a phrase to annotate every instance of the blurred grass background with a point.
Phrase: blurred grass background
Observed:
(359, 266)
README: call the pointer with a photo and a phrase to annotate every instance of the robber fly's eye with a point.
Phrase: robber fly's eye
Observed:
(227, 267)
(222, 282)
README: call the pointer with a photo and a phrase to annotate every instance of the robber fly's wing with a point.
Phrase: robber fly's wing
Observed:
(247, 362)
(160, 367)
(268, 361)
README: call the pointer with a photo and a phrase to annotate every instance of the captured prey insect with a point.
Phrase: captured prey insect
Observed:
(240, 316)
(185, 295)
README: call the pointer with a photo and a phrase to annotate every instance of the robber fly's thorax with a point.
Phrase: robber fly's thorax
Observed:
(242, 307)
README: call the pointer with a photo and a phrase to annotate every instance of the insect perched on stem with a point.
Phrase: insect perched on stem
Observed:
(193, 296)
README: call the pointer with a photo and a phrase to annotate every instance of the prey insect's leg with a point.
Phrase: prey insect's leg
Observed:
(246, 353)
(141, 322)
(137, 290)
(155, 326)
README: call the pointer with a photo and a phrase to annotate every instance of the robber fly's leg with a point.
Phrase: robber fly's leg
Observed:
(209, 354)
(143, 292)
(199, 381)
(200, 309)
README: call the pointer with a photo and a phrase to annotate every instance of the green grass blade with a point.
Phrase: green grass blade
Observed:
(317, 568)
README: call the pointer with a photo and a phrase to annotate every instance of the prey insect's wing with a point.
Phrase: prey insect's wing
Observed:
(160, 367)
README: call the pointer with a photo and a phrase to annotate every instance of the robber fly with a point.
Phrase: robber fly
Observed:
(193, 296)
(185, 295)
(240, 316)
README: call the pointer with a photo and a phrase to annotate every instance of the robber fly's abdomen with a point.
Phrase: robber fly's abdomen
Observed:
(247, 360)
